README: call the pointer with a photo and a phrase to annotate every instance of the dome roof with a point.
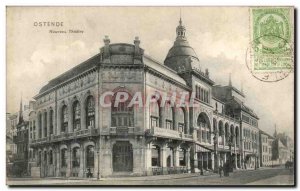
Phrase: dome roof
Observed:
(178, 56)
(181, 48)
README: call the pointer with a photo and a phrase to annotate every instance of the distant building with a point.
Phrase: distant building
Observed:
(21, 140)
(265, 149)
(282, 149)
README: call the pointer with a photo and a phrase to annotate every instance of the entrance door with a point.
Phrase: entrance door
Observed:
(122, 157)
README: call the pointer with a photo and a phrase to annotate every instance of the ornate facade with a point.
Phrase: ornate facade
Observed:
(72, 135)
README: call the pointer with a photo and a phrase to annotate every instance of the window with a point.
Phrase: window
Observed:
(154, 121)
(75, 157)
(76, 116)
(90, 157)
(181, 119)
(169, 116)
(64, 125)
(51, 122)
(45, 124)
(122, 114)
(64, 158)
(155, 156)
(155, 114)
(182, 157)
(50, 157)
(90, 112)
(40, 125)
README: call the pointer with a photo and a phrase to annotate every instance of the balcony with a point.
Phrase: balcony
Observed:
(169, 133)
(67, 136)
(121, 130)
(236, 119)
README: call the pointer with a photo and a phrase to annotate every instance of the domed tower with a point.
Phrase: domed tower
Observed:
(182, 57)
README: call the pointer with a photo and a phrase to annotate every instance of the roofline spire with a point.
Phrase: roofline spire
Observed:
(180, 21)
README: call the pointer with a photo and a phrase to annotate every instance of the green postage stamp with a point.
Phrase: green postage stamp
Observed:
(270, 54)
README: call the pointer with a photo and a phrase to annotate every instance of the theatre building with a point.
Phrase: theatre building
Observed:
(74, 135)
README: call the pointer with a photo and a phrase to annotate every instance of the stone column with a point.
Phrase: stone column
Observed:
(163, 159)
(70, 118)
(48, 124)
(176, 156)
(212, 161)
(81, 174)
(83, 115)
(207, 161)
(235, 161)
(58, 162)
(162, 122)
(188, 164)
(148, 157)
(69, 161)
(58, 121)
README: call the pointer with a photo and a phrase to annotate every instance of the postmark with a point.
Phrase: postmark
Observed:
(270, 55)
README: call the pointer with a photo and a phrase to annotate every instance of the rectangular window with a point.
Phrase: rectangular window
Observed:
(154, 121)
(180, 127)
(155, 158)
(169, 124)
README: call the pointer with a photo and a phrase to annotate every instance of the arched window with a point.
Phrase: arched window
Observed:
(76, 115)
(51, 122)
(169, 116)
(221, 133)
(50, 157)
(122, 115)
(90, 157)
(63, 158)
(237, 136)
(181, 119)
(204, 127)
(75, 157)
(64, 119)
(90, 112)
(226, 134)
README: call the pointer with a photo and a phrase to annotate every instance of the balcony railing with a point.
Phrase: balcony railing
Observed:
(237, 120)
(121, 130)
(66, 136)
(168, 133)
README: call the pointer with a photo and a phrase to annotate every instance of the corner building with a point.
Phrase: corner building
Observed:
(76, 137)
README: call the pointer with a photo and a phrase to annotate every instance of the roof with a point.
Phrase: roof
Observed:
(154, 64)
(181, 48)
(263, 132)
(86, 65)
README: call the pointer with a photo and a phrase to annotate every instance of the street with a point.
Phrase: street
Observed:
(267, 176)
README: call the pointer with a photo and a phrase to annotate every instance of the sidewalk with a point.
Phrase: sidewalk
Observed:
(160, 177)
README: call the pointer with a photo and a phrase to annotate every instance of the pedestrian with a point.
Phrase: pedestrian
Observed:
(220, 170)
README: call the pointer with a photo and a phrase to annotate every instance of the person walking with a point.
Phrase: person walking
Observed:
(221, 169)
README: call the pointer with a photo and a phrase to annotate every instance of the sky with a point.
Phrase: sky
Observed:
(219, 36)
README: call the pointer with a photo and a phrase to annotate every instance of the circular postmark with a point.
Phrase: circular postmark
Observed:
(269, 66)
(270, 55)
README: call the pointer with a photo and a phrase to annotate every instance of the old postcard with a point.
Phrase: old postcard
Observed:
(172, 96)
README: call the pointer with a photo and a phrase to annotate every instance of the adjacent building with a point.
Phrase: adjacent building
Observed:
(266, 143)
